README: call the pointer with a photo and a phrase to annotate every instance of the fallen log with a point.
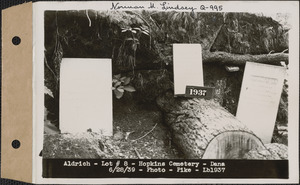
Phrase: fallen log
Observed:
(272, 151)
(236, 59)
(203, 129)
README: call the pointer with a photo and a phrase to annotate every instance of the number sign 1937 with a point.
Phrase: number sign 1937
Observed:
(199, 92)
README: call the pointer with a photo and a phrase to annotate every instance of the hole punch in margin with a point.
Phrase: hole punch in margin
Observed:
(16, 40)
(16, 144)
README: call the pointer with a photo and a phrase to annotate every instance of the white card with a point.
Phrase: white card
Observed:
(259, 98)
(187, 61)
(85, 95)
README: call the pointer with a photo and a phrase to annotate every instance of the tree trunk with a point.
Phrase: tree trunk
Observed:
(235, 59)
(228, 59)
(273, 151)
(203, 129)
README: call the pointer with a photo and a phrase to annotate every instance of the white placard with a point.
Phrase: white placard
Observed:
(85, 95)
(259, 98)
(187, 61)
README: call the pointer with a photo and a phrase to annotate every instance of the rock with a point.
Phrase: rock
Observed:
(119, 135)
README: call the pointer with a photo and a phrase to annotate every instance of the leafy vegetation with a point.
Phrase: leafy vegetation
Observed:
(127, 50)
(120, 85)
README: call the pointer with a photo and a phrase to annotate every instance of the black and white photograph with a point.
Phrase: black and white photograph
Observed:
(165, 90)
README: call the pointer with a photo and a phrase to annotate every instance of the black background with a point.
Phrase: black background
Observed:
(55, 168)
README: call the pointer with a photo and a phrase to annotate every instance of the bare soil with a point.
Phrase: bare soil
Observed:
(148, 138)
